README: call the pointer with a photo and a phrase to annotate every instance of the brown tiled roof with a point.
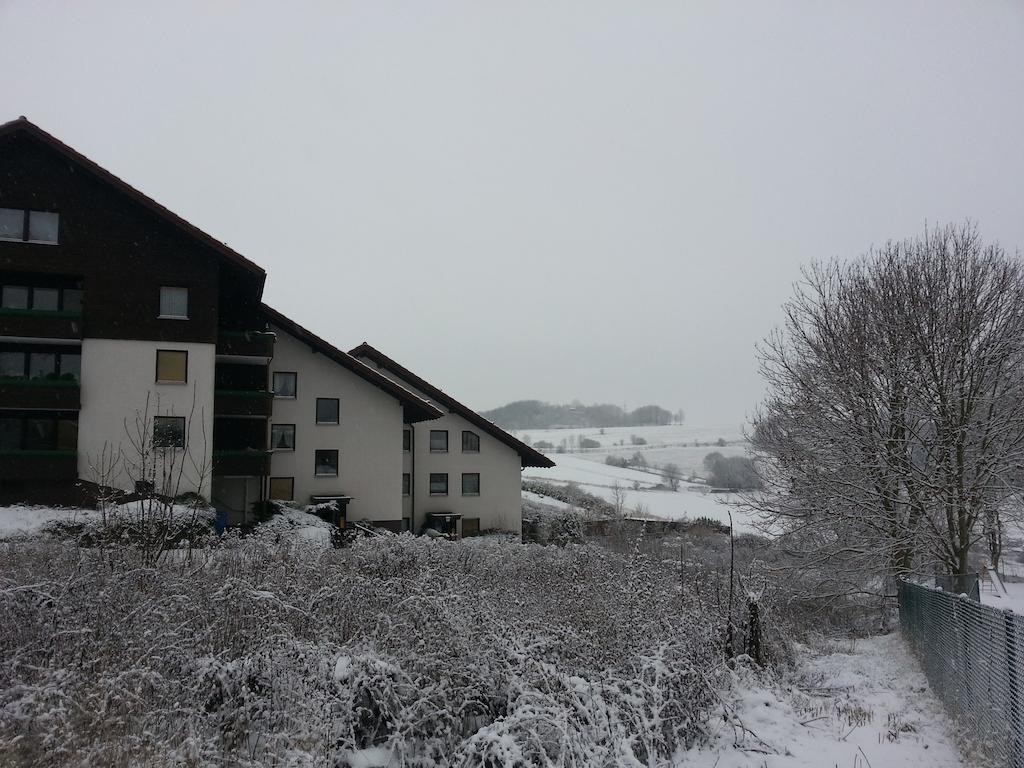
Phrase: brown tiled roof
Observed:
(529, 456)
(23, 125)
(415, 407)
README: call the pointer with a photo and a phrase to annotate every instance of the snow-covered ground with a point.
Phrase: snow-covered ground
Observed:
(24, 520)
(690, 501)
(681, 445)
(856, 704)
(670, 434)
(1010, 597)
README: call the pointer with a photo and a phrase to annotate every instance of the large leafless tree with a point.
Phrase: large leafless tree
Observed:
(892, 435)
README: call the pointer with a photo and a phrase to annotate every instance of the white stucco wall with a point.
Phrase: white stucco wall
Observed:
(499, 505)
(119, 385)
(368, 438)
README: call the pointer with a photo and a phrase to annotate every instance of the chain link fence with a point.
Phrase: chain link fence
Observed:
(973, 656)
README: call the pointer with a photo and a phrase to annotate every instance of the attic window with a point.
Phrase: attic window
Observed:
(173, 303)
(30, 226)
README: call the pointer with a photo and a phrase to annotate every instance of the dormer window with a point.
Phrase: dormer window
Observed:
(29, 226)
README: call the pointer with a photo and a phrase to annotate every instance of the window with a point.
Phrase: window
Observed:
(470, 483)
(47, 299)
(285, 383)
(38, 433)
(72, 300)
(12, 224)
(42, 365)
(41, 298)
(406, 483)
(67, 435)
(42, 227)
(12, 365)
(168, 431)
(14, 297)
(173, 303)
(326, 463)
(35, 364)
(282, 437)
(171, 366)
(439, 441)
(438, 484)
(470, 442)
(327, 410)
(70, 366)
(282, 488)
(406, 440)
(10, 434)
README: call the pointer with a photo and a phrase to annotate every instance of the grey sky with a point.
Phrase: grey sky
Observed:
(606, 201)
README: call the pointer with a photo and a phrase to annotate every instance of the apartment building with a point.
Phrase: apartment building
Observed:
(460, 472)
(337, 427)
(136, 354)
(117, 321)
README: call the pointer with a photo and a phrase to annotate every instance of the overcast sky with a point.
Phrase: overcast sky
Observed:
(552, 200)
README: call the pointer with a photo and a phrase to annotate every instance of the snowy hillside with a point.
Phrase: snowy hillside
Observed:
(676, 444)
(690, 501)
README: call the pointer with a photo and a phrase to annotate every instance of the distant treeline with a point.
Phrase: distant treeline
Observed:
(534, 414)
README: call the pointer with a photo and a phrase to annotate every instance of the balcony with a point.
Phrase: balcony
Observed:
(242, 402)
(259, 344)
(33, 323)
(49, 394)
(246, 463)
(38, 465)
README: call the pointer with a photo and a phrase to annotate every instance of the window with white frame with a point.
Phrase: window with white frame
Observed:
(326, 463)
(439, 441)
(285, 383)
(282, 437)
(470, 483)
(327, 410)
(173, 303)
(438, 483)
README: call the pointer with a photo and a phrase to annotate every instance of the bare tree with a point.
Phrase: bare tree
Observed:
(894, 426)
(672, 474)
(618, 498)
(168, 480)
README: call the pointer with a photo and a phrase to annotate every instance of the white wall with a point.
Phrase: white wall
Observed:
(499, 505)
(368, 438)
(119, 385)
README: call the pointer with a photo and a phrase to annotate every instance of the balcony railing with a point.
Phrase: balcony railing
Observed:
(247, 463)
(38, 465)
(35, 323)
(242, 402)
(62, 394)
(246, 343)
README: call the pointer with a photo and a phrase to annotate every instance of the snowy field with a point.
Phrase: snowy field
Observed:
(675, 444)
(857, 704)
(690, 501)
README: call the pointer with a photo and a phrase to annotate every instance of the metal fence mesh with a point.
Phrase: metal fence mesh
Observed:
(973, 657)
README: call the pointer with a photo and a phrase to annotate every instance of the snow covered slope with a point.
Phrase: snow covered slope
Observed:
(856, 704)
(690, 501)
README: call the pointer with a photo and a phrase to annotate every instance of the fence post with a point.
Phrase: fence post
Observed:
(1010, 638)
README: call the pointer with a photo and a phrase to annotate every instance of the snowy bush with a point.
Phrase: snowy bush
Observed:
(273, 652)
